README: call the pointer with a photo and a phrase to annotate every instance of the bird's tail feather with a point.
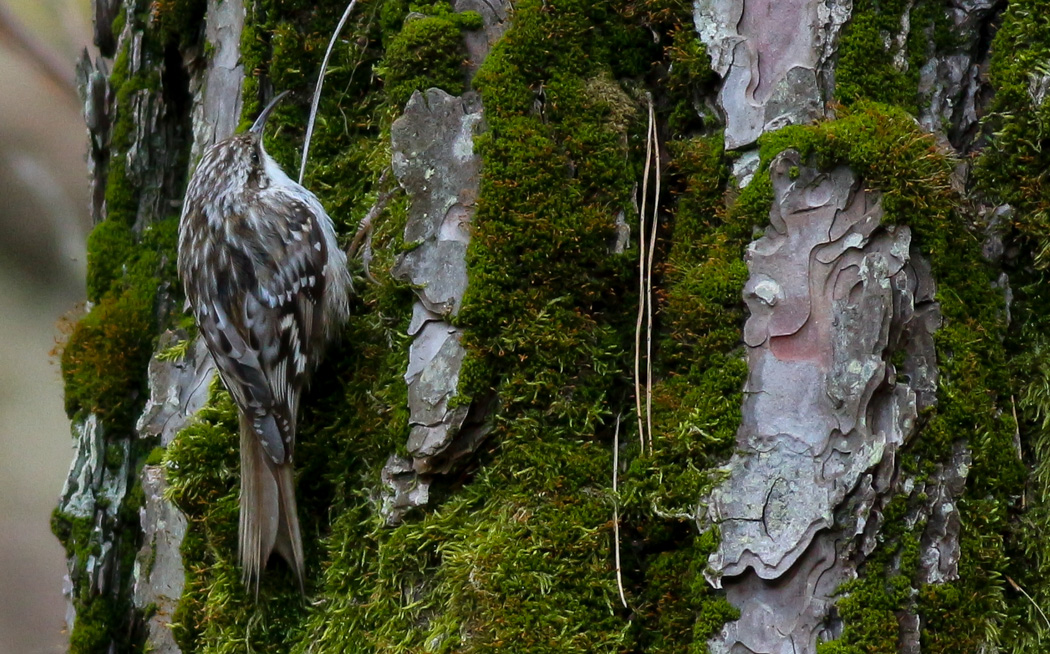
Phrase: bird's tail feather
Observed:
(289, 542)
(268, 519)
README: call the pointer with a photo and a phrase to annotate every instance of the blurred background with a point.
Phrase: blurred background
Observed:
(43, 225)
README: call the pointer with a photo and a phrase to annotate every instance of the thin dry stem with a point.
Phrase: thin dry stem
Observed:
(1029, 598)
(320, 84)
(362, 241)
(649, 288)
(641, 279)
(616, 509)
(364, 228)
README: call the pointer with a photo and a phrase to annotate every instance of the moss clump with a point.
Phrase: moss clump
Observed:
(428, 51)
(104, 361)
(1013, 167)
(110, 245)
(675, 62)
(91, 632)
(869, 66)
(871, 603)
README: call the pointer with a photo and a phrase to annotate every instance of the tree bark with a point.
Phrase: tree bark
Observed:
(801, 242)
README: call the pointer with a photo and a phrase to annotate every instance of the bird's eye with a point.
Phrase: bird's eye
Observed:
(255, 157)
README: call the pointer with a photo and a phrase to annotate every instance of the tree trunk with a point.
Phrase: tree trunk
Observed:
(680, 328)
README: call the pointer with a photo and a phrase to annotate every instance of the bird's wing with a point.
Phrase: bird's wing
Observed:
(263, 316)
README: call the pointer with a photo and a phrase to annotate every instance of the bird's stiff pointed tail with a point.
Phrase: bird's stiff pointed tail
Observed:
(269, 520)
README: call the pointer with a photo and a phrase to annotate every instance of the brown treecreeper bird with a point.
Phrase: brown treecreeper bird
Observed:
(268, 286)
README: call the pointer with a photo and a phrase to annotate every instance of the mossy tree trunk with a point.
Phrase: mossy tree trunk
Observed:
(682, 327)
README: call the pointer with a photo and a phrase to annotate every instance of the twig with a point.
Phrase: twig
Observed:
(616, 509)
(1029, 598)
(649, 287)
(317, 89)
(364, 228)
(641, 280)
(1017, 430)
(362, 241)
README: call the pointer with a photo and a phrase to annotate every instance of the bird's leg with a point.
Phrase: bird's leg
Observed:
(362, 241)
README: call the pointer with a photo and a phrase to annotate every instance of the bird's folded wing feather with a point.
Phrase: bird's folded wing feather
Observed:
(265, 316)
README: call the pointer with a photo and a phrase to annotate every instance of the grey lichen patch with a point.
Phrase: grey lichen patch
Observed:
(833, 294)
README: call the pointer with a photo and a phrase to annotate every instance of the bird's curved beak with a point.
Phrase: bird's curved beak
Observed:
(260, 122)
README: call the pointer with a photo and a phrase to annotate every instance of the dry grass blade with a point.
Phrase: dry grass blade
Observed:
(649, 285)
(641, 278)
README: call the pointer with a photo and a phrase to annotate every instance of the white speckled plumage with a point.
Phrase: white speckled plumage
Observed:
(268, 284)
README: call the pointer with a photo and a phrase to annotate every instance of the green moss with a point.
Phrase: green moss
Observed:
(684, 71)
(177, 21)
(91, 632)
(155, 456)
(104, 361)
(1012, 170)
(110, 245)
(428, 51)
(873, 66)
(119, 21)
(883, 590)
(122, 193)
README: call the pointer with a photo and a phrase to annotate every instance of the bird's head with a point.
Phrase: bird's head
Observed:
(240, 164)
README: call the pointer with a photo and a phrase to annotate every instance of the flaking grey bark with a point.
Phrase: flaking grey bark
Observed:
(435, 162)
(833, 295)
